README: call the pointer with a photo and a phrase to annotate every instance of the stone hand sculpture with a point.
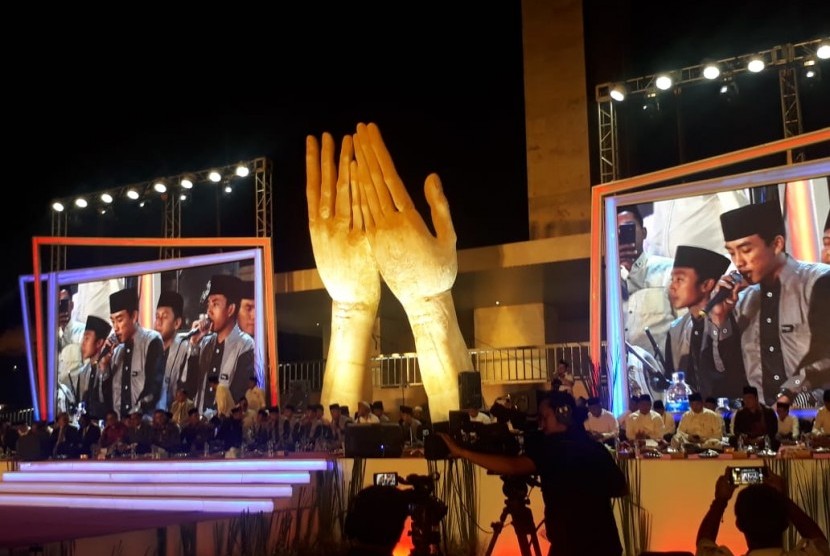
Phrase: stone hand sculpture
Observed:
(346, 267)
(420, 268)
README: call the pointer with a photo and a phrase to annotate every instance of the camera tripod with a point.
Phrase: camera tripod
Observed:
(517, 506)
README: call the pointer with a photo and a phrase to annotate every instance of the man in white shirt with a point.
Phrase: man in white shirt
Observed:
(477, 416)
(365, 415)
(633, 403)
(669, 425)
(698, 424)
(563, 380)
(645, 279)
(601, 423)
(822, 423)
(787, 424)
(645, 423)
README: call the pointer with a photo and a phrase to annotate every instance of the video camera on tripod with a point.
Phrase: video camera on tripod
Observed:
(425, 509)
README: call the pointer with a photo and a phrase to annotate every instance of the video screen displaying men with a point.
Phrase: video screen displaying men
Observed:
(132, 355)
(769, 334)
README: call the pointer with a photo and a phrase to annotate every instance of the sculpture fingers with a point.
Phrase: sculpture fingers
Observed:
(312, 172)
(375, 171)
(328, 177)
(440, 210)
(400, 196)
(342, 202)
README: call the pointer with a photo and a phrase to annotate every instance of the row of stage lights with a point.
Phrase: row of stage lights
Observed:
(160, 186)
(712, 71)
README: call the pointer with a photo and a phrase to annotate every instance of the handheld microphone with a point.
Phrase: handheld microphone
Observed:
(204, 323)
(112, 341)
(722, 294)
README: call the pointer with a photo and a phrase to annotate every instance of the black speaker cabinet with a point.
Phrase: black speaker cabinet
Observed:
(469, 390)
(375, 440)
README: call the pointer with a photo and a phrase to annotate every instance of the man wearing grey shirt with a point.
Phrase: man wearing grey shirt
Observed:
(780, 307)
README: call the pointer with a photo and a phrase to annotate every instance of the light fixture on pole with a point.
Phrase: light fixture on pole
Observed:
(617, 92)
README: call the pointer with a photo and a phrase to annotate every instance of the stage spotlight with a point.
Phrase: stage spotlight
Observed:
(617, 92)
(102, 211)
(729, 90)
(242, 170)
(80, 202)
(160, 187)
(187, 183)
(663, 82)
(132, 194)
(755, 64)
(215, 176)
(711, 71)
(183, 197)
(106, 197)
(57, 206)
(823, 51)
(228, 189)
(141, 204)
(651, 105)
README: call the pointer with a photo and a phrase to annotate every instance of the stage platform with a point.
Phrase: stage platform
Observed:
(674, 494)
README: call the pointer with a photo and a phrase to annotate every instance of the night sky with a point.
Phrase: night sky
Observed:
(106, 106)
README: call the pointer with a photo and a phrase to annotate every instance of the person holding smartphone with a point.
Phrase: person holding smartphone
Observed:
(762, 513)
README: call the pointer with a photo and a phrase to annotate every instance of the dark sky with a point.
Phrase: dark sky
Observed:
(107, 105)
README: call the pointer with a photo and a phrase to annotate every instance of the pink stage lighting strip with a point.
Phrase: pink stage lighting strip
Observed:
(213, 491)
(148, 504)
(225, 465)
(169, 477)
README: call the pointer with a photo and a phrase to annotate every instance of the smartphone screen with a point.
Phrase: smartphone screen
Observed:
(386, 479)
(627, 233)
(748, 475)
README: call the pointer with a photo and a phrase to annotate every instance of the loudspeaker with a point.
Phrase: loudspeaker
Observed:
(469, 390)
(376, 440)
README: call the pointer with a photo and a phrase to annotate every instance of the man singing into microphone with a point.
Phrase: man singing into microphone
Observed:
(782, 310)
(134, 375)
(227, 354)
(689, 343)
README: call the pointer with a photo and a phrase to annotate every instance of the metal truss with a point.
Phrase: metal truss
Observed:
(786, 57)
(264, 200)
(57, 253)
(172, 225)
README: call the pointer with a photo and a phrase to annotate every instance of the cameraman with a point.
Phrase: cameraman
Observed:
(375, 520)
(578, 476)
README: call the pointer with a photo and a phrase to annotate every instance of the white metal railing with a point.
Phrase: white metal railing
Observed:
(524, 364)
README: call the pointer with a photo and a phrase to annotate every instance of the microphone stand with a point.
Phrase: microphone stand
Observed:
(653, 373)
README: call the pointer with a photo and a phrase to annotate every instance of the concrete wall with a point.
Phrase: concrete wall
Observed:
(556, 103)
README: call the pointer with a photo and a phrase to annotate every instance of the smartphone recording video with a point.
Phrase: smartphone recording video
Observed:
(386, 479)
(747, 475)
(627, 233)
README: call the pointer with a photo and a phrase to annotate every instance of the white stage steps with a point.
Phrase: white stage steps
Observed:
(209, 485)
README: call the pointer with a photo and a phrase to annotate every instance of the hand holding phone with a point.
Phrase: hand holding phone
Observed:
(747, 475)
(386, 479)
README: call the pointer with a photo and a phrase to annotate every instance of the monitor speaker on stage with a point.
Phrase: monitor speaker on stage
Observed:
(376, 440)
(469, 390)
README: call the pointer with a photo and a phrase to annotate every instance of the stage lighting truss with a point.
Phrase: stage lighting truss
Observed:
(177, 186)
(794, 62)
(778, 56)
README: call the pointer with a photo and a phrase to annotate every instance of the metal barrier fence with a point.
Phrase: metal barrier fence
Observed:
(17, 415)
(529, 364)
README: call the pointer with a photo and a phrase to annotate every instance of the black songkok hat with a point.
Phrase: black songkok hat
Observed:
(173, 300)
(763, 219)
(377, 405)
(99, 326)
(227, 285)
(695, 397)
(124, 300)
(246, 290)
(405, 409)
(707, 264)
(751, 390)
